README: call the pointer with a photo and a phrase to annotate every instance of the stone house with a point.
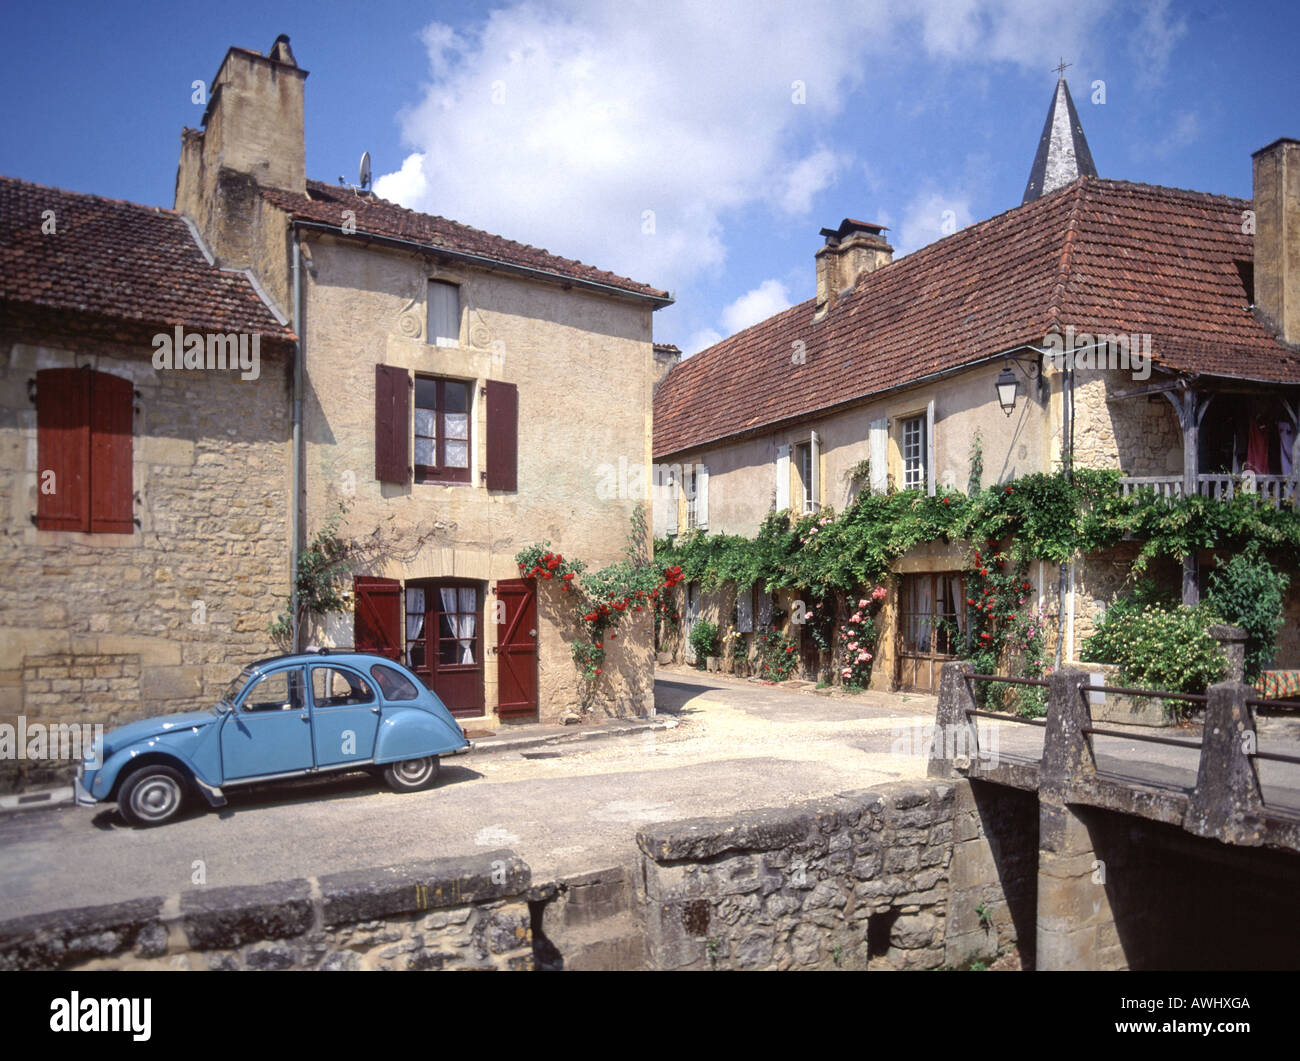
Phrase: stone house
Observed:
(437, 396)
(145, 520)
(1101, 318)
(456, 396)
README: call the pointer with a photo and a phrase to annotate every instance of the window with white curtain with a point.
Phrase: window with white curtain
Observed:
(444, 313)
(415, 628)
(459, 619)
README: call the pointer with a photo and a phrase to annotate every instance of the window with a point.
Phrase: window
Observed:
(84, 429)
(331, 687)
(804, 455)
(281, 691)
(393, 683)
(442, 441)
(444, 314)
(458, 625)
(914, 455)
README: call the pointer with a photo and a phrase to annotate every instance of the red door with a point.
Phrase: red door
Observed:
(517, 649)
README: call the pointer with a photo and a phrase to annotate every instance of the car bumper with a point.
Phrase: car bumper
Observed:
(460, 751)
(80, 794)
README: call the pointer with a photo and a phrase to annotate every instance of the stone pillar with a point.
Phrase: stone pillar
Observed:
(1075, 924)
(1228, 801)
(1232, 639)
(955, 698)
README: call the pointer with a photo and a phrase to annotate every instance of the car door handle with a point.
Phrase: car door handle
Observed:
(374, 710)
(304, 717)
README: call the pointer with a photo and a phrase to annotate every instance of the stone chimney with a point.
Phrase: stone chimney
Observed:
(851, 251)
(252, 136)
(667, 358)
(1277, 237)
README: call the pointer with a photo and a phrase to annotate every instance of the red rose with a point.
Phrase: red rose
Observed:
(567, 577)
(599, 645)
(599, 671)
(612, 636)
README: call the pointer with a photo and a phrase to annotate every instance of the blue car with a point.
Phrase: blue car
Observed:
(284, 717)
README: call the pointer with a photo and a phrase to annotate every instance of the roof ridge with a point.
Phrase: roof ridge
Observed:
(91, 195)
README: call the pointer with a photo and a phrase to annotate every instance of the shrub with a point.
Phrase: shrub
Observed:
(775, 654)
(1247, 592)
(704, 640)
(1159, 646)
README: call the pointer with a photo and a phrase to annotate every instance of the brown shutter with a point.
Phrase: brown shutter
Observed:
(63, 448)
(111, 428)
(502, 435)
(377, 622)
(392, 424)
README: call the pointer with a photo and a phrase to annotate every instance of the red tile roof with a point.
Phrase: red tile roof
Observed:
(1104, 256)
(325, 203)
(118, 262)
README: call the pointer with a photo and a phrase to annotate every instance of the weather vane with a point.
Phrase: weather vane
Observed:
(1060, 70)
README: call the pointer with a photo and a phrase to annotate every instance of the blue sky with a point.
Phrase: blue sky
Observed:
(698, 147)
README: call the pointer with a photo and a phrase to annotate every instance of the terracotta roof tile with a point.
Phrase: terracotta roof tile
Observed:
(326, 204)
(1103, 256)
(117, 261)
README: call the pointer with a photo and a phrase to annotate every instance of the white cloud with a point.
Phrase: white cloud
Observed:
(757, 305)
(1186, 128)
(806, 178)
(1154, 42)
(563, 122)
(929, 216)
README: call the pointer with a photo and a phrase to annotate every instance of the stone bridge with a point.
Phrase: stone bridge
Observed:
(1140, 868)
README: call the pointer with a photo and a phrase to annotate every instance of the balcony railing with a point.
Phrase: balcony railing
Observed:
(1273, 489)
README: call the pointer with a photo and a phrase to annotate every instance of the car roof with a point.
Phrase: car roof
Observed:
(324, 655)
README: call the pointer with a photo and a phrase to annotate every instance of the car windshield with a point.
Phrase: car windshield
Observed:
(233, 690)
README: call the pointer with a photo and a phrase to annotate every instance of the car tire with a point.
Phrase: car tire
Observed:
(152, 795)
(412, 775)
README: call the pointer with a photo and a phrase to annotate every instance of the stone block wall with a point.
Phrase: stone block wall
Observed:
(106, 628)
(863, 880)
(459, 913)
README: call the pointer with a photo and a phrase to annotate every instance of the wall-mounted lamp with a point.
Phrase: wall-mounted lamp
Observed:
(1006, 384)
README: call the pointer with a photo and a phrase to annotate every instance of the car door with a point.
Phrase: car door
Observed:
(345, 715)
(269, 731)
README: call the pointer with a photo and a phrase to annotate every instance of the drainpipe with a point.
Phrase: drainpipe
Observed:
(299, 363)
(1064, 598)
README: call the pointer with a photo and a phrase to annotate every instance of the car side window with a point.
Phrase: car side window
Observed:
(333, 687)
(281, 691)
(393, 683)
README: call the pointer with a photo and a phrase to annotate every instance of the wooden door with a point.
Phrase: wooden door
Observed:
(931, 628)
(517, 649)
(446, 641)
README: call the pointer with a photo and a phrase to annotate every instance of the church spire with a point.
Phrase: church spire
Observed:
(1063, 154)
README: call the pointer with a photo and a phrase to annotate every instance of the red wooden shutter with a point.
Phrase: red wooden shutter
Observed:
(392, 424)
(502, 435)
(111, 427)
(377, 622)
(63, 449)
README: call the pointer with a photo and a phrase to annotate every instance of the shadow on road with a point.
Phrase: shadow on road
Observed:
(672, 696)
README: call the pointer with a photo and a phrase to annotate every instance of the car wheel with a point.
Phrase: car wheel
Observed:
(152, 795)
(412, 775)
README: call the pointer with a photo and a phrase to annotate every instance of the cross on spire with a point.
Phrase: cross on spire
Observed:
(1060, 70)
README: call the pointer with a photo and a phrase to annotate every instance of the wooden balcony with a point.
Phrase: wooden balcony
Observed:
(1273, 489)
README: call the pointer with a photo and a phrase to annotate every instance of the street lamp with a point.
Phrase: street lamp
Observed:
(1006, 384)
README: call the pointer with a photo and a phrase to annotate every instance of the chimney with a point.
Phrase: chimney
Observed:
(851, 251)
(252, 136)
(1277, 237)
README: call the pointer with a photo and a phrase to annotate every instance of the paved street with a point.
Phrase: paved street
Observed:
(563, 808)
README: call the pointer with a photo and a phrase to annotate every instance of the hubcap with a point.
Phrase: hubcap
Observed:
(414, 771)
(155, 798)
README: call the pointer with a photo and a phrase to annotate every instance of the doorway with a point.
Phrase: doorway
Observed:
(931, 628)
(444, 641)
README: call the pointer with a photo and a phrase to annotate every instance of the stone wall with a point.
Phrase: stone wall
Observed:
(466, 913)
(105, 628)
(888, 879)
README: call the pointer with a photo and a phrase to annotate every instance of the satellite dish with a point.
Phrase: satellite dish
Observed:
(365, 170)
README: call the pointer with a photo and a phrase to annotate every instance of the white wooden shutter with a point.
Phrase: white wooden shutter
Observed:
(782, 477)
(815, 458)
(701, 496)
(879, 441)
(745, 609)
(672, 500)
(929, 447)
